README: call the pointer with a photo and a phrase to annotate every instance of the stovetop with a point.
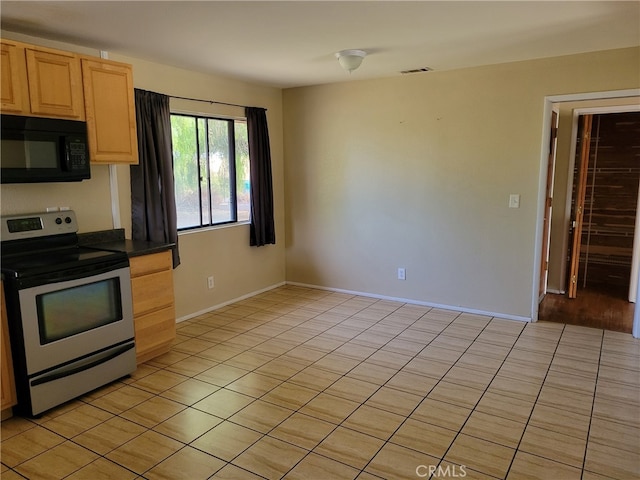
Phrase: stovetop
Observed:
(42, 243)
(57, 260)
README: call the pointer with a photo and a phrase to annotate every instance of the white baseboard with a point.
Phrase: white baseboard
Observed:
(363, 294)
(224, 304)
(417, 302)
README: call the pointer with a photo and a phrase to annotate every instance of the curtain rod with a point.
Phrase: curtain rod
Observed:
(212, 101)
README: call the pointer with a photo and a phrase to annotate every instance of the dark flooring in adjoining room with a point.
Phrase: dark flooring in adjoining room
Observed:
(606, 308)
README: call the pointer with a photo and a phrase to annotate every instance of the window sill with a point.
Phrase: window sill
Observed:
(212, 228)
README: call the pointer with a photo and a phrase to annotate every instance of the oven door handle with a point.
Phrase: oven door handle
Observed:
(69, 370)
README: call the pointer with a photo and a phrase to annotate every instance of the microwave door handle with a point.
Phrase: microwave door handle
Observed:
(66, 155)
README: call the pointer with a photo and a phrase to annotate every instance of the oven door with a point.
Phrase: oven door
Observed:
(69, 320)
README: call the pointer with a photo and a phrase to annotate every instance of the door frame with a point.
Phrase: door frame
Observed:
(542, 180)
(548, 206)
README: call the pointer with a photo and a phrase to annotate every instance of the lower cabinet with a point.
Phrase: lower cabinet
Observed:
(9, 398)
(153, 304)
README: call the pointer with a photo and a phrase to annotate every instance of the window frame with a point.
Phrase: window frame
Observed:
(233, 197)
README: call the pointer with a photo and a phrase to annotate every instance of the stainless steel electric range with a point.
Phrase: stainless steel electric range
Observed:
(69, 310)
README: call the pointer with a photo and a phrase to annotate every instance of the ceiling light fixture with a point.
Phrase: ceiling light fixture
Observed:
(350, 59)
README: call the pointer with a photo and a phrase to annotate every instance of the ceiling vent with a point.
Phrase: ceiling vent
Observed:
(416, 70)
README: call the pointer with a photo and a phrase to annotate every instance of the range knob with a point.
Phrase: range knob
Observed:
(67, 220)
(58, 221)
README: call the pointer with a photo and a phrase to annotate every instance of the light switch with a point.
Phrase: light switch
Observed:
(514, 200)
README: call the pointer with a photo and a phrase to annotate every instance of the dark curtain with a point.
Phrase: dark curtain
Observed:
(262, 229)
(153, 205)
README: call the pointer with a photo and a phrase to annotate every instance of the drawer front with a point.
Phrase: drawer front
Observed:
(152, 292)
(155, 330)
(154, 262)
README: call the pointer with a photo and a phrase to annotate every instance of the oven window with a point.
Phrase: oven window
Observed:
(67, 312)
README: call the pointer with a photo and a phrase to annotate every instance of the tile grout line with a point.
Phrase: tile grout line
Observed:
(517, 449)
(434, 386)
(344, 375)
(593, 403)
(478, 401)
(297, 410)
(384, 442)
(228, 419)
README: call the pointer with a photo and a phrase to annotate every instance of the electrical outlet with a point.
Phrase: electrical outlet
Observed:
(210, 283)
(402, 274)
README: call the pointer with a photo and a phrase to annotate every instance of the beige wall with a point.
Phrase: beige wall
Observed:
(238, 269)
(416, 172)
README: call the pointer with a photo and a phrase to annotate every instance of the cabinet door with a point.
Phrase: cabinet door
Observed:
(8, 385)
(55, 84)
(110, 111)
(13, 71)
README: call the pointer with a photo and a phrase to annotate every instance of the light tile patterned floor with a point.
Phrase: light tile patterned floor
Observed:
(307, 384)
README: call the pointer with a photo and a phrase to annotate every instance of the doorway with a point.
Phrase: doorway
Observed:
(603, 199)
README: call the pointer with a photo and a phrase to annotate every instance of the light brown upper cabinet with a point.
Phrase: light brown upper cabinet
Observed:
(41, 82)
(55, 83)
(13, 72)
(110, 111)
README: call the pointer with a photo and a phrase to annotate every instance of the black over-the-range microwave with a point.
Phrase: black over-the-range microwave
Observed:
(35, 149)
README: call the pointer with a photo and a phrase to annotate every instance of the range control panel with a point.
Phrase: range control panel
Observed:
(38, 225)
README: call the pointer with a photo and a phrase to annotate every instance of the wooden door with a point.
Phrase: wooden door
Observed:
(55, 84)
(546, 227)
(15, 93)
(111, 111)
(580, 193)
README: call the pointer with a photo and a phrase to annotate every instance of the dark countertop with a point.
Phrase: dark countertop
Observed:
(114, 240)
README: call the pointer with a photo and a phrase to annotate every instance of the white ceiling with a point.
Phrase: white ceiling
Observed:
(292, 43)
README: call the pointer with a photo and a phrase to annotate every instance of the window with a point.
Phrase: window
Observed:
(211, 170)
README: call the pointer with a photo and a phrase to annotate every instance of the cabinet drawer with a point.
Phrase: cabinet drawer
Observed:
(155, 262)
(155, 330)
(152, 292)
